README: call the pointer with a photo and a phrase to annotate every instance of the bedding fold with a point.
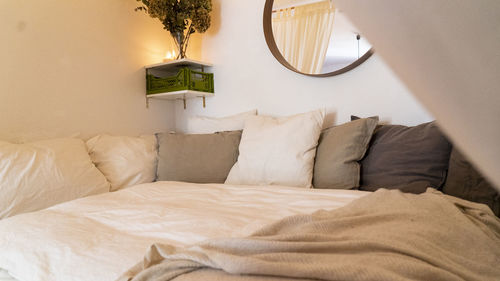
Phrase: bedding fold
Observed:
(100, 237)
(387, 235)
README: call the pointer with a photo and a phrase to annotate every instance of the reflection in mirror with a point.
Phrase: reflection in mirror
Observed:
(314, 37)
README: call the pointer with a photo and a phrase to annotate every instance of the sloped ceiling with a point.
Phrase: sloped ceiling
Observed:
(448, 54)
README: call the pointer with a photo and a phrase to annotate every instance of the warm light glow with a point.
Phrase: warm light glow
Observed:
(170, 55)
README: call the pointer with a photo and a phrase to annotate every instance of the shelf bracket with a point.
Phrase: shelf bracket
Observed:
(146, 94)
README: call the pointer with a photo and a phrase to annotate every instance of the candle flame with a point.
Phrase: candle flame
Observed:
(170, 55)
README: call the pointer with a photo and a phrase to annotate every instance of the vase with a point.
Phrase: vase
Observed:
(181, 42)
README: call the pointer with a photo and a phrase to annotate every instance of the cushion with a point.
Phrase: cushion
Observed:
(37, 175)
(209, 125)
(278, 151)
(406, 158)
(339, 149)
(465, 182)
(200, 158)
(125, 161)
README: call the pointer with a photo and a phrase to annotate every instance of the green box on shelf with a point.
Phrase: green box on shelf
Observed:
(186, 79)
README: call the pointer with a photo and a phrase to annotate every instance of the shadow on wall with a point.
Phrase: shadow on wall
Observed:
(216, 18)
(330, 119)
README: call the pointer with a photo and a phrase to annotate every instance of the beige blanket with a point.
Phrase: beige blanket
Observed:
(387, 235)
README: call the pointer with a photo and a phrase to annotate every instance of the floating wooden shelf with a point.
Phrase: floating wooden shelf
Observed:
(185, 94)
(178, 63)
(180, 95)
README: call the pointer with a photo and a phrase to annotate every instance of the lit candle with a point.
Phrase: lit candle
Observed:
(169, 56)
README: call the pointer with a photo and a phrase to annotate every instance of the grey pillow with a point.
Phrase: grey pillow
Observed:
(338, 151)
(406, 158)
(466, 182)
(200, 158)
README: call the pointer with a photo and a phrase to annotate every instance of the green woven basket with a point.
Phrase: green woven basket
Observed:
(186, 79)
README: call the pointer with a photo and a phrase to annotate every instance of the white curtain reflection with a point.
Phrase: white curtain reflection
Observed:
(302, 34)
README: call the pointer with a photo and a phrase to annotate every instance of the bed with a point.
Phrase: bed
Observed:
(89, 211)
(103, 236)
(100, 237)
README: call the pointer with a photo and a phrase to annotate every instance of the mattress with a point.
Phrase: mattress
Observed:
(100, 237)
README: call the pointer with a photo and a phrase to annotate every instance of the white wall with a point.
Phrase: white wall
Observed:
(247, 76)
(75, 67)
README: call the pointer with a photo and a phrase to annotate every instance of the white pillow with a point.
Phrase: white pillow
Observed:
(278, 151)
(210, 125)
(125, 161)
(37, 175)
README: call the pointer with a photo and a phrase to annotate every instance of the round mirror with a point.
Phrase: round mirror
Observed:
(312, 37)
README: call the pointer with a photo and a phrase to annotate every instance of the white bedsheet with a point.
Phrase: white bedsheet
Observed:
(99, 237)
(5, 276)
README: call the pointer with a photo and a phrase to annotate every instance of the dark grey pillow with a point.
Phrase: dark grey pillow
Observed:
(406, 158)
(465, 182)
(200, 158)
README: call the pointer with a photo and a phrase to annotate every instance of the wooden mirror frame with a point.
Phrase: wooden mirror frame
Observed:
(271, 43)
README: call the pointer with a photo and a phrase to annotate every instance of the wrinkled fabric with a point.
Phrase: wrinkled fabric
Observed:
(387, 235)
(100, 237)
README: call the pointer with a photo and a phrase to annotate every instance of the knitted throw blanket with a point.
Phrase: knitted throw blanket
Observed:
(387, 235)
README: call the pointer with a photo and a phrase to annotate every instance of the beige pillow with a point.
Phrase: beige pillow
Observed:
(199, 158)
(209, 125)
(37, 175)
(125, 161)
(278, 151)
(339, 149)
